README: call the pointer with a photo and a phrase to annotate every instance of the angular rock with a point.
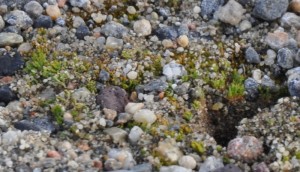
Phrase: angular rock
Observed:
(36, 124)
(209, 7)
(9, 39)
(294, 84)
(246, 148)
(252, 56)
(6, 94)
(34, 9)
(211, 163)
(270, 10)
(114, 29)
(231, 13)
(145, 116)
(142, 27)
(53, 11)
(113, 98)
(174, 70)
(118, 135)
(124, 157)
(113, 43)
(285, 58)
(18, 18)
(10, 64)
(166, 32)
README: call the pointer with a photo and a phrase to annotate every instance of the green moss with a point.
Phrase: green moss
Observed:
(285, 158)
(198, 147)
(91, 85)
(37, 62)
(236, 88)
(187, 115)
(58, 113)
(297, 154)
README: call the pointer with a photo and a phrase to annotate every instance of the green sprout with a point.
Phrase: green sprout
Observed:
(198, 147)
(58, 113)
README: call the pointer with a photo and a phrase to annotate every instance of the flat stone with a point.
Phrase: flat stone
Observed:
(10, 39)
(277, 40)
(118, 135)
(34, 9)
(270, 10)
(18, 18)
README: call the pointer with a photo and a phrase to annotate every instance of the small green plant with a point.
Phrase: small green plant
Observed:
(297, 154)
(236, 88)
(198, 147)
(187, 115)
(58, 113)
(37, 62)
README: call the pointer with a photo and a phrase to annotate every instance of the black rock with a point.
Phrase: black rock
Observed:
(82, 31)
(10, 64)
(209, 7)
(36, 124)
(6, 94)
(113, 97)
(167, 32)
(43, 22)
(270, 10)
(228, 168)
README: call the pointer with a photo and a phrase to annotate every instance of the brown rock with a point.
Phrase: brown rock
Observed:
(295, 6)
(61, 3)
(277, 40)
(53, 11)
(53, 154)
(183, 41)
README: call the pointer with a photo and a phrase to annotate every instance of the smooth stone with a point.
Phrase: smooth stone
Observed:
(289, 20)
(270, 10)
(145, 116)
(98, 17)
(183, 41)
(245, 25)
(142, 27)
(277, 40)
(18, 18)
(135, 134)
(53, 11)
(131, 10)
(132, 108)
(187, 162)
(25, 47)
(209, 7)
(77, 21)
(210, 164)
(113, 43)
(114, 29)
(231, 13)
(10, 64)
(110, 114)
(82, 31)
(166, 32)
(34, 9)
(295, 6)
(174, 168)
(10, 39)
(252, 56)
(118, 135)
(167, 43)
(285, 58)
(132, 75)
(6, 94)
(43, 22)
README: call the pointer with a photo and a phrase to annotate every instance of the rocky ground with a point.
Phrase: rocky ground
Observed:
(148, 85)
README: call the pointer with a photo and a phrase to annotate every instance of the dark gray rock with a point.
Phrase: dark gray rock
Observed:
(79, 3)
(270, 10)
(182, 89)
(18, 3)
(114, 29)
(82, 31)
(113, 97)
(164, 12)
(267, 82)
(285, 58)
(10, 64)
(166, 32)
(209, 7)
(294, 84)
(228, 168)
(18, 18)
(43, 22)
(103, 76)
(23, 168)
(251, 87)
(36, 124)
(12, 29)
(252, 56)
(34, 9)
(6, 94)
(155, 85)
(183, 30)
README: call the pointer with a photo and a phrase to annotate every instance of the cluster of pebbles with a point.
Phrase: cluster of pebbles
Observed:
(112, 85)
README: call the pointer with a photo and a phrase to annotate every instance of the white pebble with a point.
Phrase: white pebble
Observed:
(135, 134)
(132, 108)
(145, 116)
(132, 75)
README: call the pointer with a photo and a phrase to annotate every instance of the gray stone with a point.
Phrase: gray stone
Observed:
(142, 27)
(294, 84)
(43, 22)
(34, 9)
(156, 85)
(289, 20)
(60, 21)
(10, 64)
(12, 29)
(231, 13)
(113, 43)
(252, 56)
(6, 94)
(18, 18)
(267, 82)
(208, 7)
(82, 31)
(135, 134)
(285, 58)
(182, 89)
(251, 87)
(270, 10)
(146, 167)
(174, 70)
(113, 98)
(36, 124)
(103, 76)
(114, 29)
(2, 23)
(210, 164)
(123, 156)
(174, 168)
(9, 39)
(118, 135)
(166, 32)
(79, 3)
(81, 95)
(277, 40)
(229, 168)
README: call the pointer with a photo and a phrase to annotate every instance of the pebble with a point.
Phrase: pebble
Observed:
(261, 167)
(295, 6)
(15, 107)
(135, 134)
(61, 3)
(294, 83)
(251, 87)
(132, 75)
(103, 76)
(11, 137)
(267, 82)
(229, 168)
(166, 32)
(277, 40)
(210, 164)
(187, 162)
(285, 58)
(114, 98)
(174, 168)
(145, 116)
(196, 9)
(110, 114)
(231, 13)
(168, 151)
(10, 64)
(245, 25)
(53, 154)
(43, 21)
(113, 43)
(18, 18)
(173, 70)
(118, 135)
(114, 29)
(132, 108)
(6, 94)
(246, 148)
(124, 157)
(131, 10)
(53, 11)
(81, 95)
(289, 20)
(80, 3)
(60, 21)
(36, 124)
(78, 21)
(142, 27)
(10, 39)
(183, 41)
(155, 85)
(252, 56)
(2, 23)
(270, 10)
(208, 7)
(98, 17)
(82, 31)
(167, 43)
(34, 9)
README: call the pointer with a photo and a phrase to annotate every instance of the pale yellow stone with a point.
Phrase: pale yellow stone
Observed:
(53, 11)
(183, 41)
